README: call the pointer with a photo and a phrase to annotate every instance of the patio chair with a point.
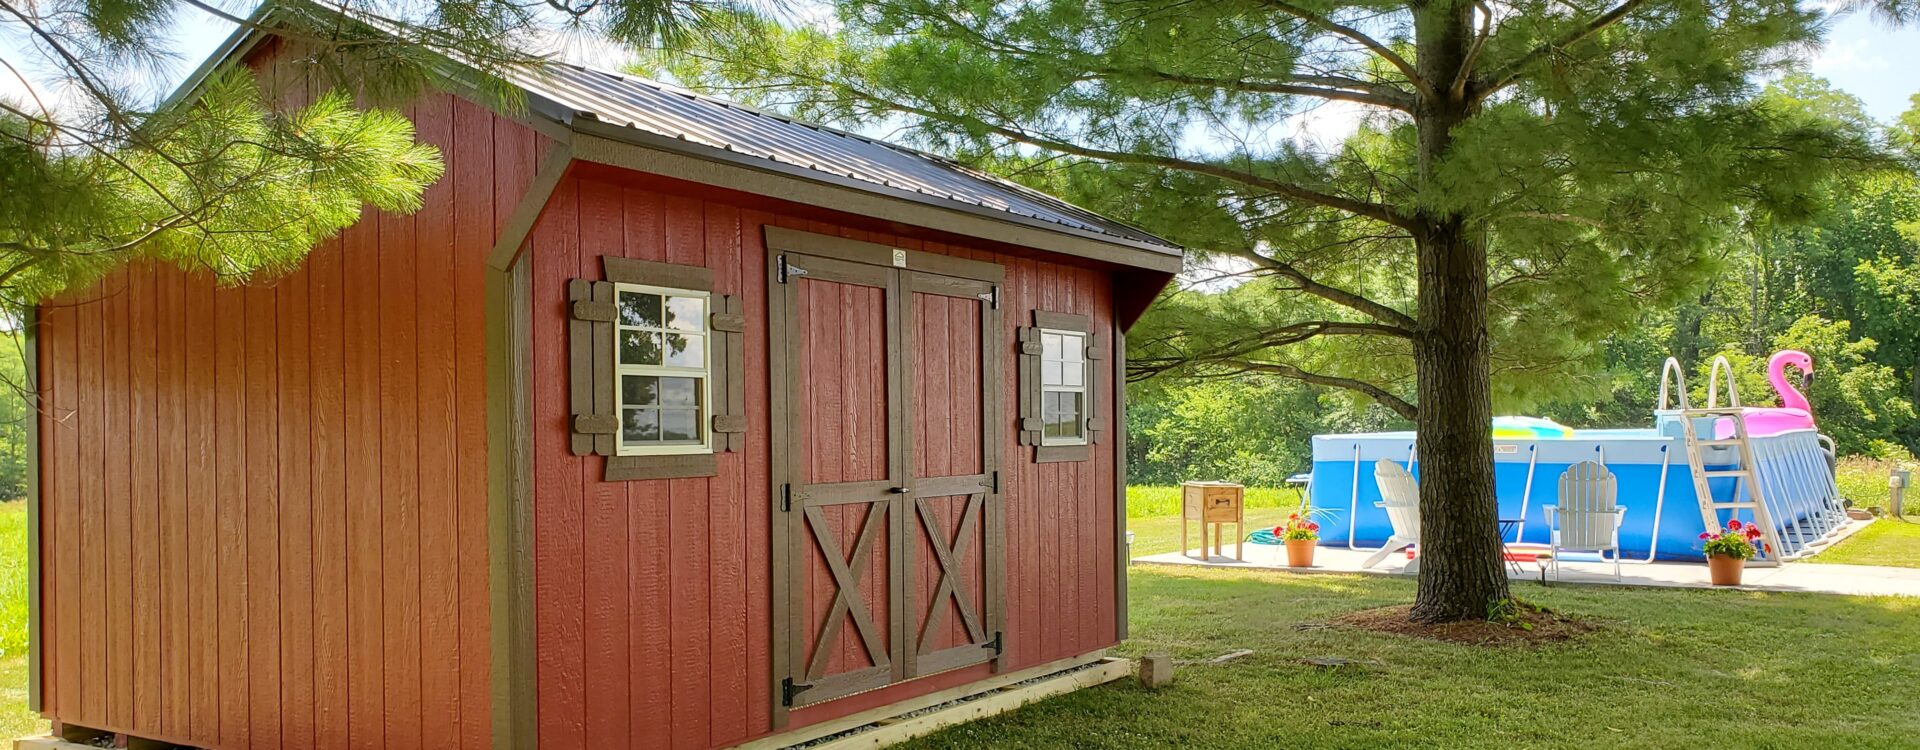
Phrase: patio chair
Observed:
(1586, 518)
(1400, 496)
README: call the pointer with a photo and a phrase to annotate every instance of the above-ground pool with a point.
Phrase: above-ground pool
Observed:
(1663, 518)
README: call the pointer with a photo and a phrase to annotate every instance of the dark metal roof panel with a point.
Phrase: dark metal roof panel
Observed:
(660, 109)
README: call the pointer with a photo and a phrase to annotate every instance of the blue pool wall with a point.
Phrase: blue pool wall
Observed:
(1634, 456)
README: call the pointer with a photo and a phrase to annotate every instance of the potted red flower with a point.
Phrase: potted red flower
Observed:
(1729, 550)
(1299, 534)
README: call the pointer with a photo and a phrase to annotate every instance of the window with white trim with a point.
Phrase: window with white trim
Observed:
(664, 361)
(1063, 387)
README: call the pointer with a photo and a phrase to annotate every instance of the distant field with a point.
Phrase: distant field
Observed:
(1149, 501)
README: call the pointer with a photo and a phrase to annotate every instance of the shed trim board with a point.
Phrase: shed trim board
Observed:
(513, 236)
(644, 152)
(30, 367)
(510, 507)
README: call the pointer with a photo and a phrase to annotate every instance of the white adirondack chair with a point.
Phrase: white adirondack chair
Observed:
(1400, 496)
(1586, 518)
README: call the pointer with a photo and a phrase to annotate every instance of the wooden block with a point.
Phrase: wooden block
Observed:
(1156, 670)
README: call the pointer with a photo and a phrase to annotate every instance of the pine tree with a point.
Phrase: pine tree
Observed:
(227, 176)
(1527, 175)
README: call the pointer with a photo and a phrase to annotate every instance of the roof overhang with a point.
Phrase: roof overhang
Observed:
(641, 151)
(600, 142)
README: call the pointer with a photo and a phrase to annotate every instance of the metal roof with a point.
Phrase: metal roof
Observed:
(668, 111)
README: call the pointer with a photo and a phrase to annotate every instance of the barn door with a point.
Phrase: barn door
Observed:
(889, 557)
(952, 550)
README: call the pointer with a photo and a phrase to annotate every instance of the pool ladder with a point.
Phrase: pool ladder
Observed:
(1745, 474)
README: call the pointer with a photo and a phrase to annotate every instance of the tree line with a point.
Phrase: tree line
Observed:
(1842, 284)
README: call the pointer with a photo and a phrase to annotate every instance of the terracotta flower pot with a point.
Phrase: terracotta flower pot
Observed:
(1300, 553)
(1724, 570)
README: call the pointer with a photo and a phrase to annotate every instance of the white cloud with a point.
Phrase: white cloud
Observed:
(1855, 55)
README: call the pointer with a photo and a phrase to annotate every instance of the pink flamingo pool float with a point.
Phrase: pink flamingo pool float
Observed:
(1793, 413)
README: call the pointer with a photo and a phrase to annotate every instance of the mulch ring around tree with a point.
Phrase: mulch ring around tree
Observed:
(1529, 626)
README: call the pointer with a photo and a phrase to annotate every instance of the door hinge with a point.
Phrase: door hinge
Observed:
(786, 498)
(991, 297)
(996, 643)
(790, 690)
(788, 270)
(994, 482)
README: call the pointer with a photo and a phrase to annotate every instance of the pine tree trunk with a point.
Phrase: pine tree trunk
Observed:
(1462, 575)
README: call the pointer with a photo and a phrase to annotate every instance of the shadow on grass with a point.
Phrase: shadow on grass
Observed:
(1668, 668)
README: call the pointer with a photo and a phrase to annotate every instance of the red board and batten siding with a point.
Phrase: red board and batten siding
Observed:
(264, 508)
(653, 626)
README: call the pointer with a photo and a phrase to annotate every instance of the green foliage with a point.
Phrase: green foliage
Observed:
(224, 184)
(1857, 401)
(1250, 429)
(1603, 185)
(226, 175)
(14, 413)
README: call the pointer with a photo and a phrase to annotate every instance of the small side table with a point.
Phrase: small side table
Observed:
(1216, 504)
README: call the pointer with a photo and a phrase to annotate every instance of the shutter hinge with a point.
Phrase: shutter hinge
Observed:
(788, 270)
(992, 297)
(996, 644)
(789, 690)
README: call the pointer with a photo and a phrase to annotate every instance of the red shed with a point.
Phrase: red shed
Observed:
(664, 423)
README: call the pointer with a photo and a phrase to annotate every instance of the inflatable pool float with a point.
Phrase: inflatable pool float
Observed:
(1529, 428)
(1793, 413)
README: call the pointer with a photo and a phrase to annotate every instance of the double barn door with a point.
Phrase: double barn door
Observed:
(888, 546)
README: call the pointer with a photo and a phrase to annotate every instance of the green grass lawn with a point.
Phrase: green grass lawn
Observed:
(1670, 669)
(1888, 541)
(15, 719)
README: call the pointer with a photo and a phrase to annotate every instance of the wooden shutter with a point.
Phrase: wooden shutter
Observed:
(1031, 423)
(590, 367)
(728, 326)
(1028, 341)
(593, 373)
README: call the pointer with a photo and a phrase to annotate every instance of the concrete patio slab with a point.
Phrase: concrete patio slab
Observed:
(1866, 580)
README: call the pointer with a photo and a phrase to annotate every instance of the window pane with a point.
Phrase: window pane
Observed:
(680, 391)
(1073, 348)
(686, 313)
(640, 426)
(1049, 346)
(679, 425)
(1072, 373)
(1060, 414)
(1050, 373)
(639, 348)
(686, 351)
(637, 309)
(640, 390)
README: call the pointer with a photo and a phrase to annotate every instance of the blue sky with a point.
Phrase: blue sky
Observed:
(1873, 61)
